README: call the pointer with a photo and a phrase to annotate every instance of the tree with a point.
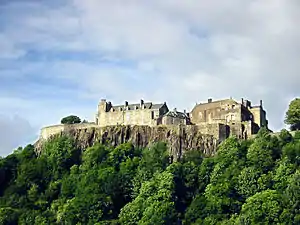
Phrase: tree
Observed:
(8, 216)
(154, 204)
(292, 116)
(262, 208)
(70, 120)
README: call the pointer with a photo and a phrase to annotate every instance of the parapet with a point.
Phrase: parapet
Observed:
(49, 131)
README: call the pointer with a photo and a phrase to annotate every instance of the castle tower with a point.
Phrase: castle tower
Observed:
(102, 106)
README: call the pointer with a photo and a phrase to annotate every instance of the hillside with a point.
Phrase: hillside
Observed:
(246, 182)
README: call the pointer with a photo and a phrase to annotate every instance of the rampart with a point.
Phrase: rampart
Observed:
(49, 131)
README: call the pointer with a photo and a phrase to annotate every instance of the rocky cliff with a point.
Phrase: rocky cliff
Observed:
(179, 138)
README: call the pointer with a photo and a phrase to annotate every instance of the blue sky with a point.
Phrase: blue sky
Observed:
(60, 57)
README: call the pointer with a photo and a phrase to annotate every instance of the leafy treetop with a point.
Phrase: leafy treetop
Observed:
(292, 117)
(70, 120)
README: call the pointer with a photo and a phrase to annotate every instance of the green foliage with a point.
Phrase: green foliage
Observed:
(261, 154)
(247, 182)
(262, 208)
(154, 204)
(285, 136)
(72, 119)
(8, 216)
(292, 116)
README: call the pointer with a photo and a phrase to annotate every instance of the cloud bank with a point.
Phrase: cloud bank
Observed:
(61, 57)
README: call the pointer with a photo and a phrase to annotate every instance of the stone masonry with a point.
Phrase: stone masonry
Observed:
(242, 119)
(129, 114)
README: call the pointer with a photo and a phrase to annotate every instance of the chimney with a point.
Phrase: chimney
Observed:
(209, 100)
(261, 103)
(175, 110)
(242, 101)
(188, 115)
(142, 102)
(126, 103)
(184, 111)
(109, 106)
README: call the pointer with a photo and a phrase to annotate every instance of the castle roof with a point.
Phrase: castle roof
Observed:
(147, 105)
(214, 104)
(176, 114)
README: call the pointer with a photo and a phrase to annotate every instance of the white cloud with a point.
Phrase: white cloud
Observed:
(8, 50)
(14, 132)
(177, 51)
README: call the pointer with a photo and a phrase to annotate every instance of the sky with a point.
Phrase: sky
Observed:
(61, 57)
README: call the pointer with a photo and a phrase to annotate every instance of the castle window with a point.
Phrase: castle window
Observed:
(233, 106)
(152, 115)
(232, 117)
(128, 117)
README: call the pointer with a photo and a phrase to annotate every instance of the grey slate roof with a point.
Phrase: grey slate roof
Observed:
(176, 114)
(148, 105)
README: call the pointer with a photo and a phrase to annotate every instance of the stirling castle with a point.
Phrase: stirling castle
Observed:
(220, 118)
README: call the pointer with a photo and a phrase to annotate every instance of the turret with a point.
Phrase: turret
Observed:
(102, 107)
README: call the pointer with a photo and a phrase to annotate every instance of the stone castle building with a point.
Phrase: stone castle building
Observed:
(144, 113)
(220, 118)
(241, 119)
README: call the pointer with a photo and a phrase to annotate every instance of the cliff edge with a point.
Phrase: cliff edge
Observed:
(178, 138)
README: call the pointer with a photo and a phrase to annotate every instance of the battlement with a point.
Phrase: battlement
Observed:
(49, 131)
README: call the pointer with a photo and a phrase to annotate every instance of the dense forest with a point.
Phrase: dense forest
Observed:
(248, 182)
(254, 181)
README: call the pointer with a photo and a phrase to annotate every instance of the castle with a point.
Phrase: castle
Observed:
(220, 118)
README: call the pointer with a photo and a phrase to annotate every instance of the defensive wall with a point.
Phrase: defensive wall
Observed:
(49, 131)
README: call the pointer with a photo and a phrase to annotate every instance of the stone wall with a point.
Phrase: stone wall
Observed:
(46, 132)
(49, 131)
(259, 116)
(170, 120)
(226, 110)
(145, 114)
(242, 119)
(219, 131)
(128, 117)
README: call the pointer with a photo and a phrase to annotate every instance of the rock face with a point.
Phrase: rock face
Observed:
(178, 138)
